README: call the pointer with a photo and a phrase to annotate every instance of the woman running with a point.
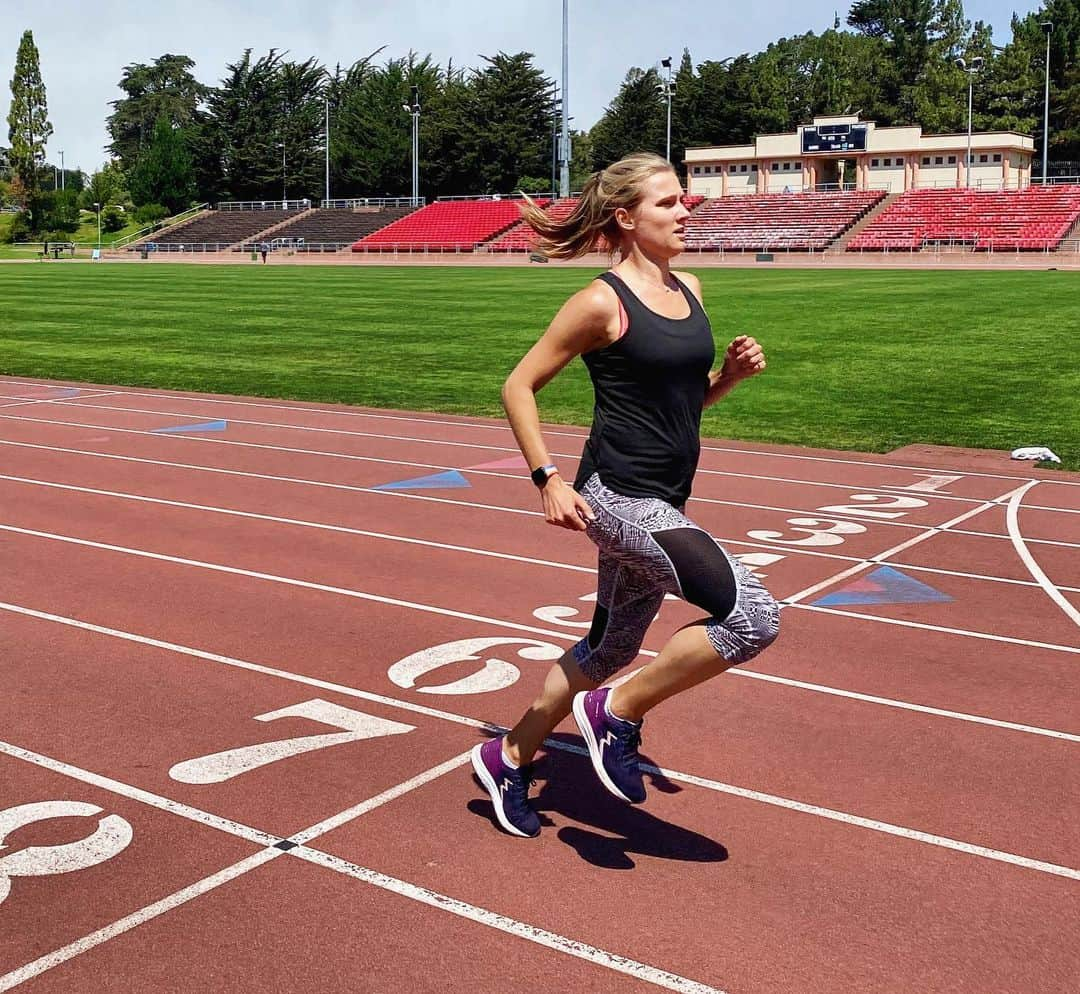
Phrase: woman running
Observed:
(645, 338)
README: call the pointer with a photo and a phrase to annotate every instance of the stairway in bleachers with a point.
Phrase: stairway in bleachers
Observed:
(328, 229)
(777, 221)
(217, 231)
(1035, 219)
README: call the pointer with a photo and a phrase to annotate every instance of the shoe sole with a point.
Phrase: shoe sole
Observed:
(482, 772)
(586, 729)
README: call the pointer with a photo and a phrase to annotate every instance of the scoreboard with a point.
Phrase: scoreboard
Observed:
(834, 138)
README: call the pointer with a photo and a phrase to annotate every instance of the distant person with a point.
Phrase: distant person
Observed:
(264, 250)
(644, 336)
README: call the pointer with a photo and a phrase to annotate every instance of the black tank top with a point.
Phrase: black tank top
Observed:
(650, 390)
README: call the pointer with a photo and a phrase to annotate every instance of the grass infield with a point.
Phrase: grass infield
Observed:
(867, 360)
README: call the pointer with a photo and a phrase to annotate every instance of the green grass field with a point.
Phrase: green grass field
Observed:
(867, 360)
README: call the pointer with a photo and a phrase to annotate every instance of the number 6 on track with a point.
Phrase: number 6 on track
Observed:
(221, 766)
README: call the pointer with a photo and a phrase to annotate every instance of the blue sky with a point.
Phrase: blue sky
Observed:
(84, 46)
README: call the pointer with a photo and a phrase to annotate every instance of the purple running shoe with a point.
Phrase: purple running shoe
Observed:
(509, 789)
(613, 745)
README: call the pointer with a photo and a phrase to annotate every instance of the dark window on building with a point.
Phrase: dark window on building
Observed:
(926, 160)
(697, 170)
(733, 168)
(984, 158)
(776, 167)
(952, 160)
(742, 169)
(900, 161)
(938, 160)
(874, 163)
(708, 169)
(997, 157)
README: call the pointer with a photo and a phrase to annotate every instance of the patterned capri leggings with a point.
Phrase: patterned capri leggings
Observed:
(648, 549)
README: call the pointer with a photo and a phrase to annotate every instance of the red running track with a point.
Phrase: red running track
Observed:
(242, 686)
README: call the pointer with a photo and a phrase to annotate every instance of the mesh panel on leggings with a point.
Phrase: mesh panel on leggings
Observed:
(703, 571)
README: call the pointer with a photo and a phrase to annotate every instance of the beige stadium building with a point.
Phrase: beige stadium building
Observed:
(846, 153)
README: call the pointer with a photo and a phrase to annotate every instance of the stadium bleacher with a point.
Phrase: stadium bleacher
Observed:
(215, 231)
(1034, 219)
(329, 229)
(444, 226)
(755, 222)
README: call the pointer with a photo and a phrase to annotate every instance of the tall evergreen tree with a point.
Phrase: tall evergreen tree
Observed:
(164, 88)
(28, 120)
(163, 173)
(635, 121)
(508, 131)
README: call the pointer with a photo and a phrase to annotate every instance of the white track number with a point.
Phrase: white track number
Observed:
(876, 506)
(817, 531)
(222, 766)
(112, 836)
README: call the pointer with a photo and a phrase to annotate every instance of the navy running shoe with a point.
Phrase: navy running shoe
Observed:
(509, 789)
(613, 745)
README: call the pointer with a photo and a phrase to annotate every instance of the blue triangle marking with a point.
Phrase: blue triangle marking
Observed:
(204, 426)
(451, 479)
(894, 588)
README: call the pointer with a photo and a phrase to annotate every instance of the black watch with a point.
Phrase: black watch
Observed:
(542, 474)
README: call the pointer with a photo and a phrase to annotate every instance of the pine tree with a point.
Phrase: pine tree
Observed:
(28, 121)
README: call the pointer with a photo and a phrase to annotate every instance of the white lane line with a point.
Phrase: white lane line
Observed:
(214, 657)
(582, 435)
(76, 402)
(520, 930)
(167, 804)
(365, 695)
(895, 550)
(447, 612)
(344, 529)
(1029, 560)
(392, 794)
(276, 479)
(301, 481)
(882, 619)
(275, 578)
(442, 902)
(322, 454)
(297, 522)
(873, 825)
(140, 917)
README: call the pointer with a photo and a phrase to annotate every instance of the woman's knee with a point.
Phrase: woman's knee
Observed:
(751, 627)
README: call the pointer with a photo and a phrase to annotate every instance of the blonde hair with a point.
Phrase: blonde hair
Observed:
(592, 221)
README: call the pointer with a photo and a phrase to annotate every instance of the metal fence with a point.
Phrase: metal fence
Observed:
(355, 202)
(264, 205)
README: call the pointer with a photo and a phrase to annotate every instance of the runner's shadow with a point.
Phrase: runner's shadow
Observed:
(569, 788)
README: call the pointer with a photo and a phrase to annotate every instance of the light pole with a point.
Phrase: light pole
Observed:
(564, 151)
(667, 88)
(97, 207)
(414, 110)
(1048, 27)
(327, 148)
(976, 65)
(63, 178)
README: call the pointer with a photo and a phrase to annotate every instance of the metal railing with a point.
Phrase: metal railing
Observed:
(157, 226)
(264, 205)
(355, 202)
(1056, 181)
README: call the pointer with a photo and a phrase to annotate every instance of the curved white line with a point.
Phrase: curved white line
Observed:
(1029, 561)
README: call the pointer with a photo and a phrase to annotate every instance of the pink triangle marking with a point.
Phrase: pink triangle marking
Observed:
(514, 462)
(863, 586)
